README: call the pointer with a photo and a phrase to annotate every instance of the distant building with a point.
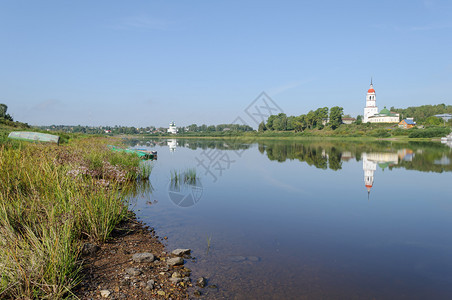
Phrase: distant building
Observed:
(445, 117)
(371, 113)
(407, 123)
(348, 120)
(172, 128)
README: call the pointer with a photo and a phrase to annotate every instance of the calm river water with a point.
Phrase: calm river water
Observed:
(307, 220)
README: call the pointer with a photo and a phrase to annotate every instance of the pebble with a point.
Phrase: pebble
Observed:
(161, 293)
(197, 293)
(176, 261)
(133, 271)
(181, 252)
(175, 280)
(201, 282)
(90, 249)
(176, 275)
(105, 293)
(143, 257)
(150, 284)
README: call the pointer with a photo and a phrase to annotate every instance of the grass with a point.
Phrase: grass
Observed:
(52, 199)
(188, 176)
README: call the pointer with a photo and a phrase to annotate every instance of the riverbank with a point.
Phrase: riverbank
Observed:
(55, 200)
(110, 269)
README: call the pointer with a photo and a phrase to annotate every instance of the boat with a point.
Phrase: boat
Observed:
(34, 137)
(142, 153)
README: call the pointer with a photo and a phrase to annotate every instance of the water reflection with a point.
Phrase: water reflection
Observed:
(288, 216)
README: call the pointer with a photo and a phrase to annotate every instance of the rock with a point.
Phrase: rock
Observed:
(237, 258)
(124, 282)
(181, 252)
(176, 261)
(161, 293)
(90, 249)
(143, 257)
(201, 282)
(150, 284)
(133, 271)
(197, 293)
(213, 286)
(175, 280)
(176, 275)
(105, 293)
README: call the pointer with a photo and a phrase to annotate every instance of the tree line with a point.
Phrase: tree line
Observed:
(425, 113)
(215, 128)
(318, 118)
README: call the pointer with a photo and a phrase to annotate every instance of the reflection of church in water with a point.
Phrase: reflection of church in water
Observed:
(383, 160)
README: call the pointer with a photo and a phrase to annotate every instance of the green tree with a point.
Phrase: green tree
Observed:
(3, 109)
(359, 120)
(280, 122)
(300, 123)
(291, 122)
(433, 121)
(336, 116)
(262, 127)
(270, 121)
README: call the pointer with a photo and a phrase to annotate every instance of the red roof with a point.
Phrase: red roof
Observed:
(371, 91)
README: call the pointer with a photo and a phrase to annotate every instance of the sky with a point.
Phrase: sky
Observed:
(143, 63)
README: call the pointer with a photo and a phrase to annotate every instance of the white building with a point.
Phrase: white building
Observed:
(172, 128)
(370, 162)
(371, 113)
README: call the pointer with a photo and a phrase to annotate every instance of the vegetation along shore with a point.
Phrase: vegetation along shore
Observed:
(63, 209)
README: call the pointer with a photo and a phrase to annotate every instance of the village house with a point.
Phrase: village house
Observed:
(407, 123)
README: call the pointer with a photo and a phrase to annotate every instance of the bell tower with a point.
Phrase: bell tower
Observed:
(371, 103)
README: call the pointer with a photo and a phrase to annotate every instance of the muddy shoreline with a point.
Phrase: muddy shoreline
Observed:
(110, 272)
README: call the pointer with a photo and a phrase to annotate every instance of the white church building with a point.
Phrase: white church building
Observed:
(371, 113)
(172, 128)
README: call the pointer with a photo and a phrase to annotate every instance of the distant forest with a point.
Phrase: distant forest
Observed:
(421, 113)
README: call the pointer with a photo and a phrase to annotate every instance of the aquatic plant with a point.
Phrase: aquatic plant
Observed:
(209, 238)
(175, 176)
(190, 176)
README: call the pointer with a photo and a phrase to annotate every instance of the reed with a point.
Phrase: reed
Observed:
(190, 176)
(51, 200)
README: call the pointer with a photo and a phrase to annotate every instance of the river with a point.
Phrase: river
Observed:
(306, 219)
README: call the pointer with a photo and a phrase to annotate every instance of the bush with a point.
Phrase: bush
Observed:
(380, 133)
(430, 132)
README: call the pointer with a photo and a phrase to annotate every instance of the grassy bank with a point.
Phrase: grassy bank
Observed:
(52, 199)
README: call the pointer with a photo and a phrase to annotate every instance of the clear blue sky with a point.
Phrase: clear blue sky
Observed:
(141, 63)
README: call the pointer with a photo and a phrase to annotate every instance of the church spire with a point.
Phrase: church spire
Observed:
(370, 80)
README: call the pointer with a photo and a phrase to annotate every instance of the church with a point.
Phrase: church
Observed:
(371, 114)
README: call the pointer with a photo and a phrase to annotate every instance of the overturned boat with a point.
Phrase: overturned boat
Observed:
(34, 137)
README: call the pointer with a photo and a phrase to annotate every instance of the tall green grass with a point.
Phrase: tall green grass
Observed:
(51, 199)
(187, 176)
